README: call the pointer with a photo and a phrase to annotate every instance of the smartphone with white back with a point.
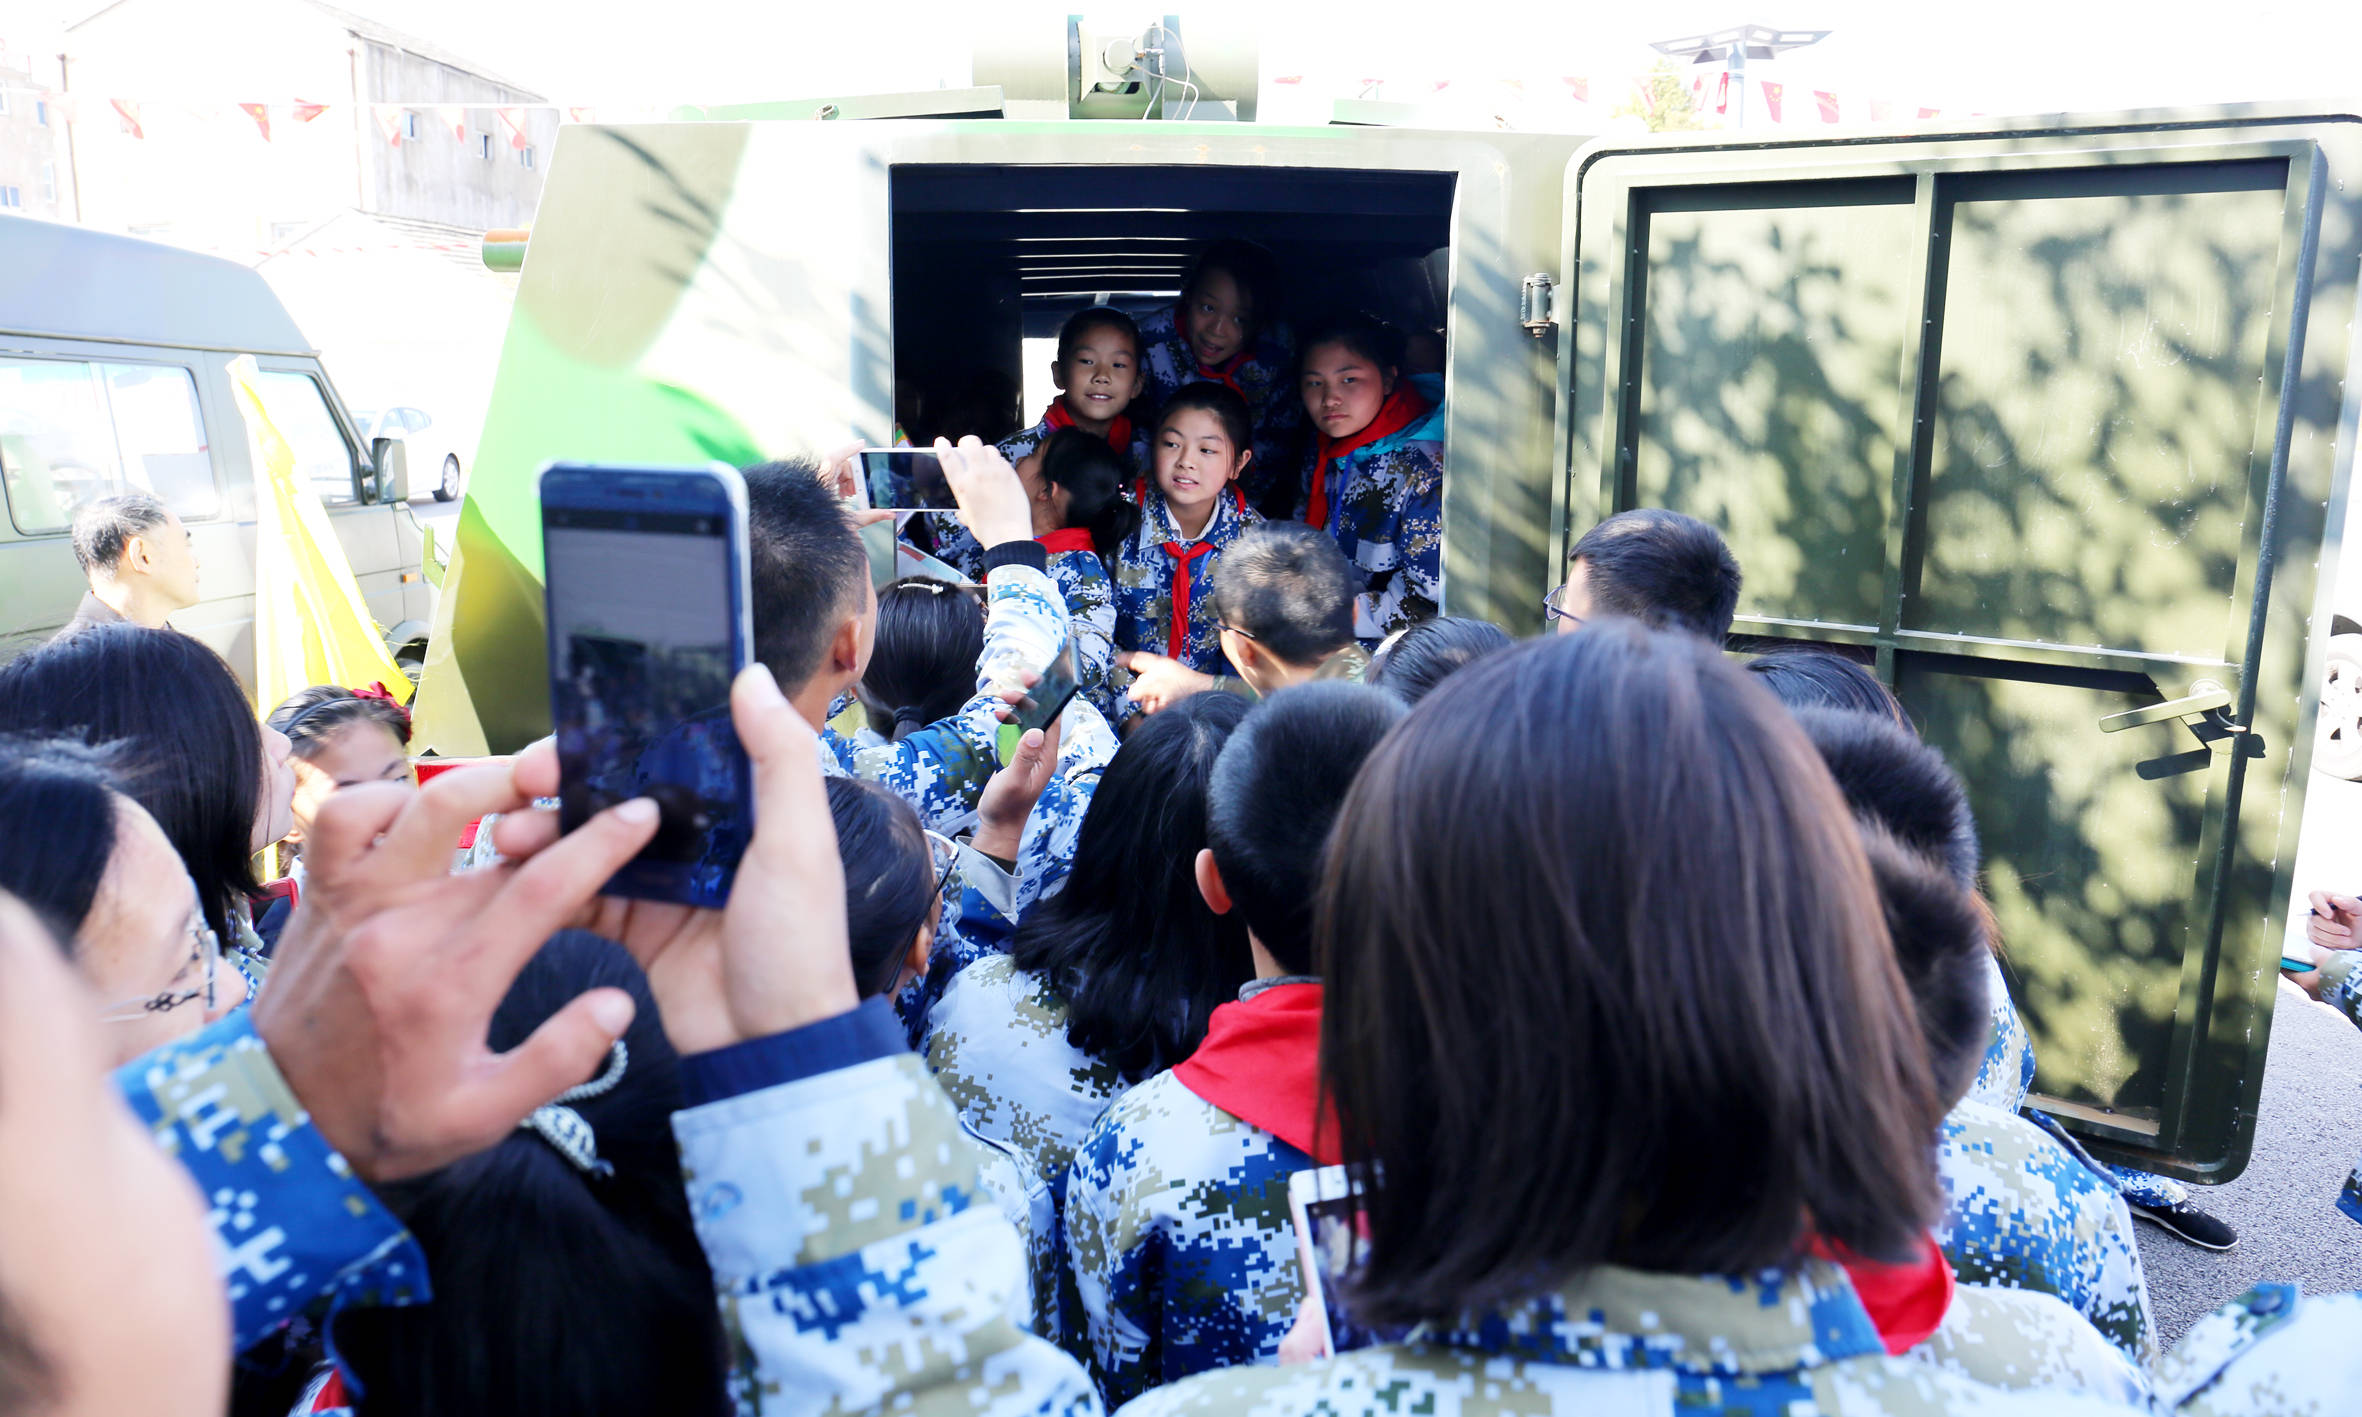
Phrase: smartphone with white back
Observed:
(646, 588)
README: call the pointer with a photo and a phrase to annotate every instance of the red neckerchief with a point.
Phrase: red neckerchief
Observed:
(1906, 1302)
(1073, 538)
(331, 1396)
(1224, 373)
(1401, 409)
(1119, 428)
(1260, 1062)
(1183, 554)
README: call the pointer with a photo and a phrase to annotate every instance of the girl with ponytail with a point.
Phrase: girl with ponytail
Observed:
(924, 665)
(1082, 517)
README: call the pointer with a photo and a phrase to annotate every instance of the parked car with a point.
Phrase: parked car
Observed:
(432, 447)
(114, 376)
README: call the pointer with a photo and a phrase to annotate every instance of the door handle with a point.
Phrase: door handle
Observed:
(2207, 697)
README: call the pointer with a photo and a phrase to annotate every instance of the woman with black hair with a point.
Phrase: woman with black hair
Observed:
(217, 782)
(1412, 661)
(1082, 518)
(922, 666)
(1111, 980)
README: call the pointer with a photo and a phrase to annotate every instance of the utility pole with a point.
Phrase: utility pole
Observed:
(1733, 47)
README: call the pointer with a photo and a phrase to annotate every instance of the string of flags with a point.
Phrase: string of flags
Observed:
(397, 123)
(1711, 92)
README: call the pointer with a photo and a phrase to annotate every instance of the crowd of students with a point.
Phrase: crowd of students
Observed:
(1645, 993)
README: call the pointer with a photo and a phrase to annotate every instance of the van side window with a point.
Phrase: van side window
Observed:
(300, 412)
(56, 450)
(163, 437)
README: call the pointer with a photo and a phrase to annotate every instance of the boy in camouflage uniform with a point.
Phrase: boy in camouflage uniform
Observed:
(1177, 1211)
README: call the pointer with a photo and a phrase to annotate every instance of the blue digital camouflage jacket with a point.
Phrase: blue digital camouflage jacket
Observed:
(997, 1043)
(1384, 505)
(1178, 1230)
(1020, 445)
(291, 1222)
(1143, 576)
(2341, 989)
(2023, 1211)
(1266, 379)
(1090, 609)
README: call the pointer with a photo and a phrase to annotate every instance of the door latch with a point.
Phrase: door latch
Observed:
(2206, 698)
(1533, 304)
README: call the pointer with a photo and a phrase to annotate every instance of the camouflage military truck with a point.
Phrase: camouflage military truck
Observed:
(2045, 419)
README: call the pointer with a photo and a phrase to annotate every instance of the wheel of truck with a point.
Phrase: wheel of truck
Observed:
(411, 660)
(448, 488)
(2337, 744)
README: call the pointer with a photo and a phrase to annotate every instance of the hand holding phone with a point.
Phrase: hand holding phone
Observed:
(1044, 700)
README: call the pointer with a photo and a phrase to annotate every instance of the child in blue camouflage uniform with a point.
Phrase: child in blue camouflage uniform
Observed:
(1225, 329)
(1099, 373)
(1164, 574)
(1112, 979)
(1081, 516)
(1177, 1209)
(1375, 477)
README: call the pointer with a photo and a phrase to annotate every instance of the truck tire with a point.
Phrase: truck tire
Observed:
(447, 487)
(2337, 741)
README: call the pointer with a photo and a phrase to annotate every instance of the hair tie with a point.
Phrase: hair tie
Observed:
(564, 1128)
(910, 716)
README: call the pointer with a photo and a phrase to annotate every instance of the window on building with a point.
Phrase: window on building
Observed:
(410, 127)
(49, 182)
(41, 112)
(72, 432)
(3, 102)
(486, 140)
(299, 410)
(12, 196)
(525, 156)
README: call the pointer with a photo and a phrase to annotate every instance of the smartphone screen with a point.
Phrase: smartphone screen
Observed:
(906, 480)
(1044, 701)
(645, 572)
(1331, 1240)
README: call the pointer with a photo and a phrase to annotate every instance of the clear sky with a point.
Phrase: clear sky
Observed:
(1994, 56)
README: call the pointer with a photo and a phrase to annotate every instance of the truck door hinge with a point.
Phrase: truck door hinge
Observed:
(1534, 304)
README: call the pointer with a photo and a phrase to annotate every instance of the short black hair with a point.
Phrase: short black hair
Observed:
(1418, 657)
(1098, 317)
(1288, 588)
(1254, 269)
(1942, 940)
(1140, 958)
(191, 749)
(1366, 335)
(1220, 400)
(1820, 678)
(310, 717)
(1274, 794)
(596, 1297)
(102, 528)
(1667, 570)
(57, 826)
(1096, 478)
(889, 877)
(1891, 778)
(807, 567)
(923, 664)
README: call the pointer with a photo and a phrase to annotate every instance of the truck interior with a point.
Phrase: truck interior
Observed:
(989, 261)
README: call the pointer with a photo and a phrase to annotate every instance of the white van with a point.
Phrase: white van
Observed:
(114, 356)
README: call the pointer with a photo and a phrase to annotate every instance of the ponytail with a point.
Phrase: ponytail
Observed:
(1093, 475)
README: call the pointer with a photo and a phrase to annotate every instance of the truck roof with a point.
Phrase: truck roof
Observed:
(74, 283)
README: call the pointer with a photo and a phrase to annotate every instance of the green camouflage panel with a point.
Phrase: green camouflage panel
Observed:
(2023, 1212)
(997, 1042)
(1183, 1249)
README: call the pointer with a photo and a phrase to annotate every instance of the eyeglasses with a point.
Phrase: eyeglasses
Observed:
(205, 951)
(946, 854)
(1554, 606)
(1242, 634)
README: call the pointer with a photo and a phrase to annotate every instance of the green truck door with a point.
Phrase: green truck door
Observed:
(2043, 424)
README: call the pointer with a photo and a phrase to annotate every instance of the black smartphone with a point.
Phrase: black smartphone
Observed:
(906, 480)
(645, 573)
(1044, 701)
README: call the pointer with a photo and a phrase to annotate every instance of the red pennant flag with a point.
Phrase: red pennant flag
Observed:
(1828, 103)
(578, 115)
(1927, 113)
(389, 122)
(261, 114)
(1290, 79)
(1722, 94)
(514, 120)
(457, 117)
(1648, 97)
(1771, 99)
(1880, 110)
(306, 112)
(1697, 88)
(1580, 88)
(128, 111)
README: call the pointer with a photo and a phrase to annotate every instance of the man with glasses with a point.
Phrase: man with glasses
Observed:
(1664, 569)
(1284, 604)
